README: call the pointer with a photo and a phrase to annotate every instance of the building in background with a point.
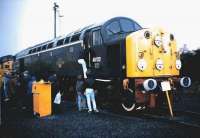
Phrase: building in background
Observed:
(6, 63)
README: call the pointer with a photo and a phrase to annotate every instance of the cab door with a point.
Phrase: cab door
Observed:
(88, 53)
(98, 59)
(95, 51)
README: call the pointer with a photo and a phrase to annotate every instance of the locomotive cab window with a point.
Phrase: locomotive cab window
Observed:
(127, 25)
(137, 27)
(96, 38)
(113, 28)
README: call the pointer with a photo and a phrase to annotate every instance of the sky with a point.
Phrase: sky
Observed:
(25, 23)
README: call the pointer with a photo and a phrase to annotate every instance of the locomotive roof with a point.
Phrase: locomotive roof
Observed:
(62, 39)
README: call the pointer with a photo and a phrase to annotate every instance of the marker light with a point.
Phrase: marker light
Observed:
(158, 41)
(159, 64)
(142, 64)
(147, 34)
(178, 64)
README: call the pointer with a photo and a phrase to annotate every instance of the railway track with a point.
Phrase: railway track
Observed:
(182, 118)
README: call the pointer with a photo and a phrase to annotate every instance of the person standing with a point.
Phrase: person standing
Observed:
(89, 91)
(81, 101)
(1, 83)
(22, 90)
(29, 97)
(6, 80)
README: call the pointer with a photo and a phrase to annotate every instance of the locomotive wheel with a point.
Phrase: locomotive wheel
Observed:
(128, 100)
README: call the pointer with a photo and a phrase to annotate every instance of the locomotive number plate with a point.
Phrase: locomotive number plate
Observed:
(165, 86)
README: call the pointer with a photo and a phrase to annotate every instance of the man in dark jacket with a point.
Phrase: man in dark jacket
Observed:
(6, 81)
(89, 91)
(81, 101)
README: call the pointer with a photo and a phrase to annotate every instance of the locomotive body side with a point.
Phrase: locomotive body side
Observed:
(61, 60)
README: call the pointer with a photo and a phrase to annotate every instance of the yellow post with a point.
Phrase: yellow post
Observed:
(169, 104)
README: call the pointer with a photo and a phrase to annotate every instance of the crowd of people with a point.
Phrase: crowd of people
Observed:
(18, 88)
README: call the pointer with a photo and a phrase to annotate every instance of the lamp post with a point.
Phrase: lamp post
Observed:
(55, 11)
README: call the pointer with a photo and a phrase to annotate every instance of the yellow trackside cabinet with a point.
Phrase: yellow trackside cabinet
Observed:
(41, 98)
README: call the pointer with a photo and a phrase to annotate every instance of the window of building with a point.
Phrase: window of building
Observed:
(96, 38)
(6, 66)
(60, 42)
(113, 28)
(75, 37)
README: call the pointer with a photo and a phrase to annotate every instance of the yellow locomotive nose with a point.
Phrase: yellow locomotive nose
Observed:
(152, 53)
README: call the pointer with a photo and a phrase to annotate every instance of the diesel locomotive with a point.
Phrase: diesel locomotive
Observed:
(128, 62)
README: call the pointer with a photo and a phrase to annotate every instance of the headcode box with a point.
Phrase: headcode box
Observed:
(165, 86)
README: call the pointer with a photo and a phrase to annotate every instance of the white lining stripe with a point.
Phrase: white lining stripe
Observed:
(103, 80)
(52, 49)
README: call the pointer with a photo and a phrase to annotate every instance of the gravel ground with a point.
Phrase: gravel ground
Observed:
(188, 102)
(71, 123)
